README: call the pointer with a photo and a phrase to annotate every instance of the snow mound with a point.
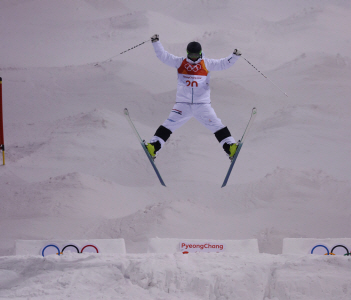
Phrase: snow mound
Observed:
(211, 276)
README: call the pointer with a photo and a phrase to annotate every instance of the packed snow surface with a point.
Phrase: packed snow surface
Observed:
(74, 169)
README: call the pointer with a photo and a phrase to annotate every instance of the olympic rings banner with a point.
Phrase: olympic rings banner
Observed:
(62, 247)
(336, 250)
(302, 246)
(51, 249)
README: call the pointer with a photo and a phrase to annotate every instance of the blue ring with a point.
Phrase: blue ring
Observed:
(319, 246)
(58, 250)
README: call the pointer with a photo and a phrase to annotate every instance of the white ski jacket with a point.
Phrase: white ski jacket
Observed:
(193, 77)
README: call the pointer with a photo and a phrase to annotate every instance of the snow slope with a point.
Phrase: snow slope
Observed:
(74, 169)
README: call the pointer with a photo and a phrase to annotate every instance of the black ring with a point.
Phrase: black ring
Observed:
(70, 246)
(347, 250)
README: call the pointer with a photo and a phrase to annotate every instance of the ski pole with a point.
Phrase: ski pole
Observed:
(109, 59)
(2, 143)
(264, 76)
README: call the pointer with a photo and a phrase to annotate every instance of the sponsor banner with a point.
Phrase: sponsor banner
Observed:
(193, 247)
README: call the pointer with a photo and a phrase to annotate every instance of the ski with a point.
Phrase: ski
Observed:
(240, 144)
(141, 141)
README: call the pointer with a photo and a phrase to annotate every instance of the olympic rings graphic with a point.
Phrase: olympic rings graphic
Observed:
(54, 249)
(194, 68)
(347, 252)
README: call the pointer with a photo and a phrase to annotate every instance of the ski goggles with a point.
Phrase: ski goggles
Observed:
(195, 56)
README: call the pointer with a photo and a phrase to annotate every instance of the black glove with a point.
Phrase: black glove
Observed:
(155, 38)
(237, 52)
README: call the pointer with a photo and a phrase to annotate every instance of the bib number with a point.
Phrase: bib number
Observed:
(192, 83)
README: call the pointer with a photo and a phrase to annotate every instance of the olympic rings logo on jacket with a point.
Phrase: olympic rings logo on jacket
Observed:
(347, 252)
(54, 249)
(192, 68)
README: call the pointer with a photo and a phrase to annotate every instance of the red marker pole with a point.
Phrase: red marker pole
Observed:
(2, 143)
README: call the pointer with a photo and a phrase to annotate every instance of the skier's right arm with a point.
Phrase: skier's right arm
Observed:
(164, 56)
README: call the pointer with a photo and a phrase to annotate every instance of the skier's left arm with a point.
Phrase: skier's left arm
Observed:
(224, 63)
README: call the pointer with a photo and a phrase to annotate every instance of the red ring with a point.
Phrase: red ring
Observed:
(97, 251)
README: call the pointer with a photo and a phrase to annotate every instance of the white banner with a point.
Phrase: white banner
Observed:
(189, 247)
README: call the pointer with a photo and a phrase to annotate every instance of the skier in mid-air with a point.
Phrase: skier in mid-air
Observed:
(193, 95)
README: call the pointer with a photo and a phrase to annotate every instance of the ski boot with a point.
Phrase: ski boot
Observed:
(152, 148)
(230, 149)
